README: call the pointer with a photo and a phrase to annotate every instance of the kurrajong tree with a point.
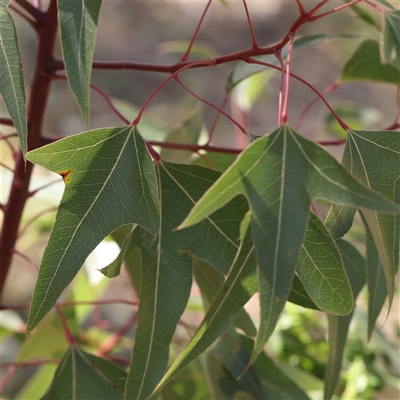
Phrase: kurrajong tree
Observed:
(251, 228)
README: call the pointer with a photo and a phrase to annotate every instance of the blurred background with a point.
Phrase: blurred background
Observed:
(158, 32)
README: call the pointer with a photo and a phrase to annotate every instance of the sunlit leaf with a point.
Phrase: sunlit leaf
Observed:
(362, 151)
(390, 39)
(78, 24)
(81, 375)
(321, 270)
(109, 181)
(12, 86)
(365, 64)
(268, 172)
(339, 325)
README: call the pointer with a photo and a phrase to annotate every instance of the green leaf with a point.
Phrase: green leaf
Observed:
(365, 64)
(363, 14)
(275, 383)
(78, 24)
(376, 281)
(189, 132)
(12, 86)
(362, 151)
(210, 281)
(321, 271)
(390, 39)
(299, 296)
(239, 286)
(167, 266)
(268, 172)
(339, 325)
(81, 375)
(109, 181)
(243, 70)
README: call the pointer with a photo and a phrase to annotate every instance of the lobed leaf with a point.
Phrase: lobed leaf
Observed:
(109, 181)
(81, 375)
(362, 151)
(12, 86)
(365, 64)
(267, 173)
(339, 325)
(78, 24)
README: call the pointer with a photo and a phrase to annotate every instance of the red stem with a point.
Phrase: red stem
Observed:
(376, 6)
(214, 125)
(281, 87)
(37, 105)
(253, 35)
(67, 332)
(187, 53)
(32, 10)
(301, 7)
(30, 21)
(329, 89)
(163, 83)
(287, 86)
(334, 10)
(212, 105)
(6, 121)
(339, 120)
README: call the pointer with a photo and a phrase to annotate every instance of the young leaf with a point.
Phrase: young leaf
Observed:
(109, 181)
(365, 64)
(320, 269)
(362, 150)
(167, 266)
(390, 39)
(239, 286)
(12, 86)
(268, 172)
(78, 24)
(354, 264)
(81, 375)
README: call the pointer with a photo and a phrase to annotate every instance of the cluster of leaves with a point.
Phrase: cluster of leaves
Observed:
(244, 230)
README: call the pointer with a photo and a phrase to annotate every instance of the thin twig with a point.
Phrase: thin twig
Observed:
(253, 35)
(187, 53)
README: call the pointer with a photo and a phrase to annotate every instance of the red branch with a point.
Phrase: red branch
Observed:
(253, 35)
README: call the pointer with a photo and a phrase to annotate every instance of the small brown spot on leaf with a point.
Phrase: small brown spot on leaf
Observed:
(66, 175)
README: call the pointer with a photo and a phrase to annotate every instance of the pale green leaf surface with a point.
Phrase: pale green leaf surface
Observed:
(321, 271)
(167, 266)
(365, 64)
(84, 376)
(78, 24)
(12, 86)
(364, 151)
(267, 173)
(37, 385)
(299, 296)
(242, 70)
(237, 289)
(390, 39)
(110, 181)
(339, 325)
